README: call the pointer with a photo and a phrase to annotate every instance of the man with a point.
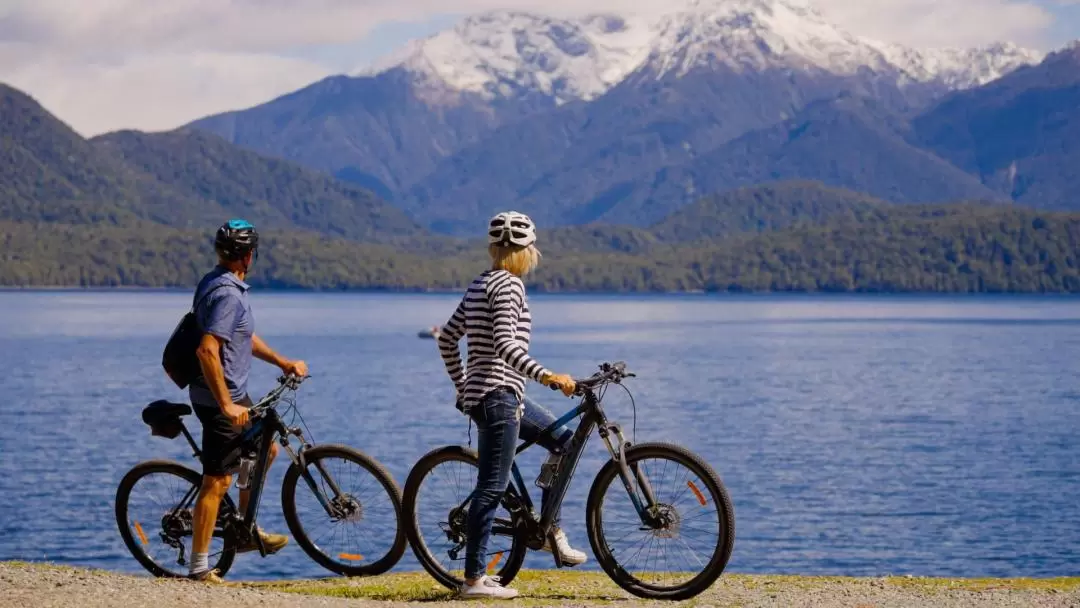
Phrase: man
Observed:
(219, 396)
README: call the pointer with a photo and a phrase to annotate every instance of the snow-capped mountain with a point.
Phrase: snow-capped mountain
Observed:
(959, 68)
(625, 117)
(507, 54)
(504, 54)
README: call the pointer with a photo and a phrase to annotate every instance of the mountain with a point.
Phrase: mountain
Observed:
(514, 54)
(846, 143)
(379, 132)
(765, 208)
(564, 117)
(269, 192)
(509, 54)
(1019, 134)
(181, 179)
(50, 173)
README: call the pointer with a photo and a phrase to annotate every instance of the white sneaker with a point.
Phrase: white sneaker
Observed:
(486, 587)
(569, 554)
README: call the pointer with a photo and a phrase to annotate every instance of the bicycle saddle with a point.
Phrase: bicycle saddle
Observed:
(163, 417)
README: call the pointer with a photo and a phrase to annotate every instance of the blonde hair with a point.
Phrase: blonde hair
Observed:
(514, 259)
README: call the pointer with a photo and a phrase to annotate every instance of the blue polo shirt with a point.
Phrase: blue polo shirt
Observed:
(225, 313)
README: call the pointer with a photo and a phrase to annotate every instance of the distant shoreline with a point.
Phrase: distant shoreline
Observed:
(540, 292)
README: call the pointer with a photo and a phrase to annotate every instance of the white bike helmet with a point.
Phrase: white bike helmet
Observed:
(511, 228)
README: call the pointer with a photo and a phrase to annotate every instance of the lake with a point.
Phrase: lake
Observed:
(856, 435)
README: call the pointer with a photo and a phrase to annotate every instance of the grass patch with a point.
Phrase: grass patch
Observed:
(536, 586)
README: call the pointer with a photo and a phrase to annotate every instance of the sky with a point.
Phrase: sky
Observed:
(104, 65)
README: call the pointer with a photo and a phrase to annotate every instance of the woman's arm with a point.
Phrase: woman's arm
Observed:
(449, 336)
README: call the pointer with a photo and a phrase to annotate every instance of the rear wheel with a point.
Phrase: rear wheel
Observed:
(153, 511)
(687, 541)
(358, 531)
(435, 512)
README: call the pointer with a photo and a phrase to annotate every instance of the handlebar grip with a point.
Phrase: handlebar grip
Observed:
(555, 386)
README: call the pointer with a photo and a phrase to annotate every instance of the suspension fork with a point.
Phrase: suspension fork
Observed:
(629, 475)
(298, 459)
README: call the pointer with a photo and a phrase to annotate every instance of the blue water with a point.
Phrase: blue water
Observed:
(856, 435)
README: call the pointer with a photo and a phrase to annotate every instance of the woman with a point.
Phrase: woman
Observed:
(494, 315)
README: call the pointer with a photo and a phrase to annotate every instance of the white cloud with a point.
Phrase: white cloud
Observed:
(156, 92)
(942, 22)
(106, 64)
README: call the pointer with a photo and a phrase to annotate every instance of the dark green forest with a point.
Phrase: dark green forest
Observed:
(912, 249)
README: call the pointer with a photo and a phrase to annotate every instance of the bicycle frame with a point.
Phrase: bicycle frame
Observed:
(592, 417)
(267, 428)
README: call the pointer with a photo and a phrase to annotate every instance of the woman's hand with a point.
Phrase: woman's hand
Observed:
(565, 383)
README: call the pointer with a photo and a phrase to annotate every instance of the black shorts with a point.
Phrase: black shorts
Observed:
(221, 445)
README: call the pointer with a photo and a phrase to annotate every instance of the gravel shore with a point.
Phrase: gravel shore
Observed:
(43, 586)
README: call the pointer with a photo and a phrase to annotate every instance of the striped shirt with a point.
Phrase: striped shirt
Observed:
(494, 317)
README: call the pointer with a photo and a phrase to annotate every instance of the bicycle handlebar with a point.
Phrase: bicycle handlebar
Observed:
(289, 382)
(610, 373)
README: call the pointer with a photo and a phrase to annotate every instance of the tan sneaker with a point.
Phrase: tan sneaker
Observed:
(208, 576)
(271, 542)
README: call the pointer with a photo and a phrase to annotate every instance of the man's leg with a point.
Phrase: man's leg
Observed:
(217, 436)
(204, 517)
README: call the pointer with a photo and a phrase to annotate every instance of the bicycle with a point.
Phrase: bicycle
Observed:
(165, 528)
(651, 518)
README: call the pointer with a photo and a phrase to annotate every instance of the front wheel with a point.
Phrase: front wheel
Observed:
(675, 549)
(343, 509)
(154, 504)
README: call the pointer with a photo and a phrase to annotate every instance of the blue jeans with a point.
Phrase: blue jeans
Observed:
(500, 421)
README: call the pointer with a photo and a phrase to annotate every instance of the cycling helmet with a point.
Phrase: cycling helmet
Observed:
(511, 228)
(236, 238)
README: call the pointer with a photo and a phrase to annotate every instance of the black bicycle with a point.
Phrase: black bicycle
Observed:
(659, 520)
(345, 516)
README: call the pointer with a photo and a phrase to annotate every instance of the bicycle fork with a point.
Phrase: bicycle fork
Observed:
(297, 458)
(631, 475)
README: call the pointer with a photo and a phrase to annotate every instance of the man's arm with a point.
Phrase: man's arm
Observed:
(263, 352)
(209, 357)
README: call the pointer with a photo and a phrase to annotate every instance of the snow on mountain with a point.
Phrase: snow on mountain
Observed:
(959, 68)
(501, 54)
(755, 35)
(508, 54)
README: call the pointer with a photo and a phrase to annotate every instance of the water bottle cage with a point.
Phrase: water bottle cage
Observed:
(548, 471)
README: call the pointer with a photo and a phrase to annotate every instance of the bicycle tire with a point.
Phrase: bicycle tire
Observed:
(123, 495)
(725, 539)
(386, 481)
(511, 565)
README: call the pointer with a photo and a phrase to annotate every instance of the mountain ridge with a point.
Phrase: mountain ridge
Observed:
(499, 54)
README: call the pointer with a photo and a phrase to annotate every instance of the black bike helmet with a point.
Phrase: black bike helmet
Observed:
(235, 239)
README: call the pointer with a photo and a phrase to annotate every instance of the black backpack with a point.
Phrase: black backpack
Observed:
(178, 359)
